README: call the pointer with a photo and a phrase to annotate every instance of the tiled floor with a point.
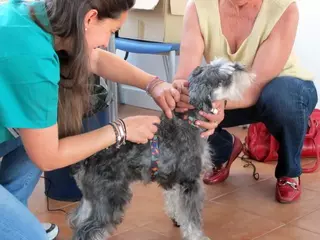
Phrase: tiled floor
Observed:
(241, 208)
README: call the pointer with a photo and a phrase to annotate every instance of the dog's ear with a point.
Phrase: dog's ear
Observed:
(197, 71)
(239, 67)
(242, 79)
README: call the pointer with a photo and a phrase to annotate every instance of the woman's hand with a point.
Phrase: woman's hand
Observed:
(140, 129)
(166, 96)
(182, 86)
(214, 119)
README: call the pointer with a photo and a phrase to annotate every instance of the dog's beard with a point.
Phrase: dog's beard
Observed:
(241, 81)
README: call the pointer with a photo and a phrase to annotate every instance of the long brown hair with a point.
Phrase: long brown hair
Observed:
(66, 19)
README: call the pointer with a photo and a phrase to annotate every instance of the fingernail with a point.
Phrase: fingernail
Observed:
(185, 109)
(201, 113)
(197, 123)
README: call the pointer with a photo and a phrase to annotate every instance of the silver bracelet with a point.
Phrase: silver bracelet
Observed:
(122, 132)
(119, 132)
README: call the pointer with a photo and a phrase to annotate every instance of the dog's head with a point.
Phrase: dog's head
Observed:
(219, 80)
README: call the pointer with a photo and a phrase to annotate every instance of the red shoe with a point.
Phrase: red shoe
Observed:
(220, 174)
(287, 190)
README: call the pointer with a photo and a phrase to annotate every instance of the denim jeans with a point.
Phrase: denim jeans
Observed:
(18, 178)
(284, 106)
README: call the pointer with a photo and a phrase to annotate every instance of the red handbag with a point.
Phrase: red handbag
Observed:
(261, 146)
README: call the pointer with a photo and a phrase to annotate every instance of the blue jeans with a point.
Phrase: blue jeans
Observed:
(284, 106)
(18, 178)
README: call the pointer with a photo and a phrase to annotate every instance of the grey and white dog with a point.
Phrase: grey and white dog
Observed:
(105, 178)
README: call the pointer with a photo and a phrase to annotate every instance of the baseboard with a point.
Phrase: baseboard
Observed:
(136, 97)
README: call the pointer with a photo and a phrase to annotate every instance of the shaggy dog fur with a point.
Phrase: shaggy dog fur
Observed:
(105, 178)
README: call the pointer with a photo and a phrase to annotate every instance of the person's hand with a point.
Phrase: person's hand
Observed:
(214, 119)
(166, 96)
(182, 86)
(140, 129)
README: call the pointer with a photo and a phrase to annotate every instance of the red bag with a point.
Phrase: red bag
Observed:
(260, 145)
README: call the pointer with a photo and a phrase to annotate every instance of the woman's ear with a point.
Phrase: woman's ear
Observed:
(90, 18)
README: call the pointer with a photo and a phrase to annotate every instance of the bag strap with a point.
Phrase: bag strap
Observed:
(14, 132)
(272, 148)
(316, 141)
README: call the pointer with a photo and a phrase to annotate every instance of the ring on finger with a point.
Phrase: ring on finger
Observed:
(215, 111)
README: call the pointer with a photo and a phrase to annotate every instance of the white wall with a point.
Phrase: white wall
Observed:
(307, 44)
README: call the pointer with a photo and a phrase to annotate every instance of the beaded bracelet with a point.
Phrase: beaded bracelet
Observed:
(151, 85)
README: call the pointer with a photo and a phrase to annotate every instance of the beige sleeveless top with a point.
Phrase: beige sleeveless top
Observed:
(216, 45)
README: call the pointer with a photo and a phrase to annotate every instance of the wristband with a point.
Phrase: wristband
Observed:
(151, 85)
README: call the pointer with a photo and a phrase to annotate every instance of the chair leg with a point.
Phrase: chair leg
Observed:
(166, 66)
(172, 57)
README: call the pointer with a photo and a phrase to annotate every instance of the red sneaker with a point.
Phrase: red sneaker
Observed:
(220, 174)
(287, 190)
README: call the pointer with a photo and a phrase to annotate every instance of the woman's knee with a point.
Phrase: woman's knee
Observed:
(287, 99)
(18, 174)
(16, 221)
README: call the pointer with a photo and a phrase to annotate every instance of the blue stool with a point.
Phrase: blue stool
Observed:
(145, 47)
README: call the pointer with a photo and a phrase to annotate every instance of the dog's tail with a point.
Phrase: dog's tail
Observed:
(83, 220)
(90, 224)
(98, 218)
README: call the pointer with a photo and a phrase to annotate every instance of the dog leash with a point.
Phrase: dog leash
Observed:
(155, 155)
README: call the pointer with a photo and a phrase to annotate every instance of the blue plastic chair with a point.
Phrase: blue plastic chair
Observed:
(146, 47)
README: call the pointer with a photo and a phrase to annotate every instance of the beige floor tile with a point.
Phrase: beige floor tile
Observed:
(239, 177)
(139, 234)
(290, 233)
(38, 201)
(309, 222)
(221, 222)
(260, 199)
(311, 181)
(59, 218)
(126, 111)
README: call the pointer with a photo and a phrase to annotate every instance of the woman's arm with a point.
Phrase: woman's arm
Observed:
(191, 53)
(271, 56)
(112, 67)
(48, 152)
(192, 44)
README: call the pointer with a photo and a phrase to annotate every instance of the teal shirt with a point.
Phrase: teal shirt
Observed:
(29, 69)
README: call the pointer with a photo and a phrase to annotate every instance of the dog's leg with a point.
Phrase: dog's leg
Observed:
(96, 220)
(171, 203)
(189, 209)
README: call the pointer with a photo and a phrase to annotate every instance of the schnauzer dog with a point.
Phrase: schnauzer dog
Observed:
(175, 159)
